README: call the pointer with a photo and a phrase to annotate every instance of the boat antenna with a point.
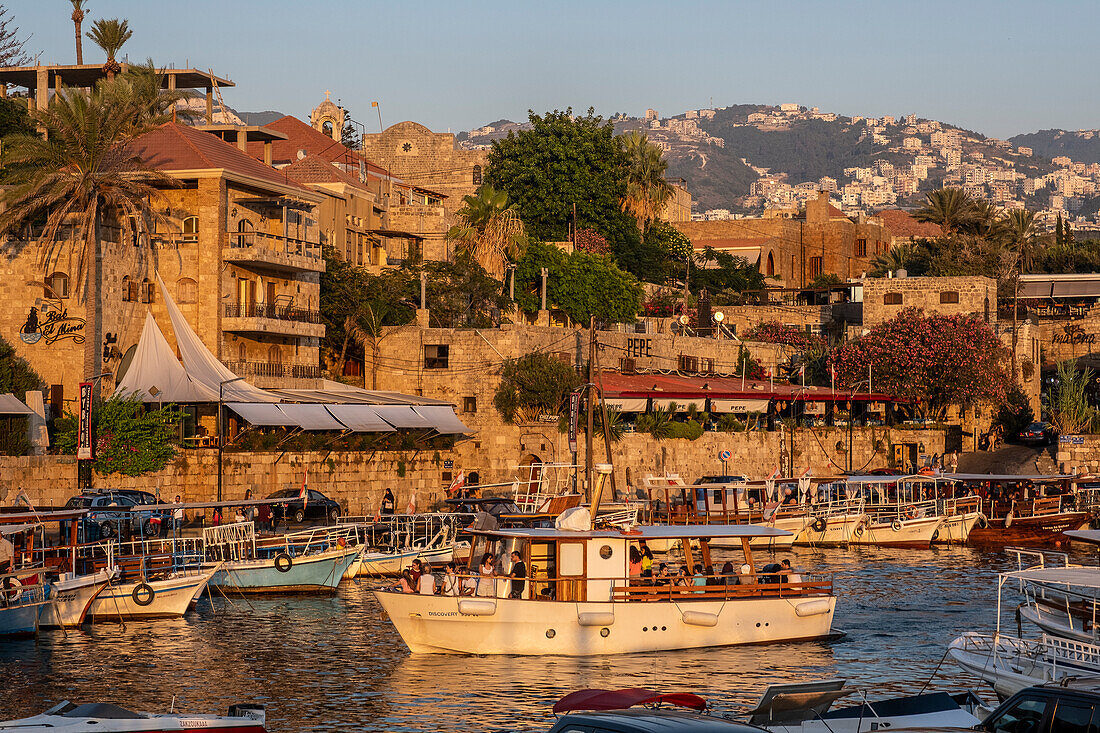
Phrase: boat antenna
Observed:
(172, 707)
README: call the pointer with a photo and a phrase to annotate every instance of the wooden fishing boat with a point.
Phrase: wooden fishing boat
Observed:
(578, 598)
(23, 596)
(313, 561)
(1030, 511)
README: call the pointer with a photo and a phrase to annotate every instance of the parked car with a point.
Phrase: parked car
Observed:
(288, 505)
(1038, 433)
(112, 514)
(726, 479)
(1056, 708)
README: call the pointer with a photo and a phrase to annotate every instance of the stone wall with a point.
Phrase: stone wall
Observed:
(1078, 454)
(357, 479)
(975, 296)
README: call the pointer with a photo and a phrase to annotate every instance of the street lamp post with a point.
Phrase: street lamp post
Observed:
(221, 437)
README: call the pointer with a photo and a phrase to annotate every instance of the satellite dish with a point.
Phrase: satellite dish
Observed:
(684, 320)
(719, 316)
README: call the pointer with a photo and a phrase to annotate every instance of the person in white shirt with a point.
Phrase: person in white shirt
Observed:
(450, 581)
(427, 581)
(177, 514)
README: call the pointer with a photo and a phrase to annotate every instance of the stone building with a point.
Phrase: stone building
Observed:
(884, 298)
(795, 247)
(428, 160)
(239, 253)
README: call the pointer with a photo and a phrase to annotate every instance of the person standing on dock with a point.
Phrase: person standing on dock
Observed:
(178, 515)
(389, 503)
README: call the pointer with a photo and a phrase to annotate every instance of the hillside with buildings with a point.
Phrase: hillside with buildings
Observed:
(743, 159)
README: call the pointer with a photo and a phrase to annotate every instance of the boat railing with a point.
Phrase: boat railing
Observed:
(964, 505)
(1038, 557)
(636, 589)
(22, 588)
(904, 510)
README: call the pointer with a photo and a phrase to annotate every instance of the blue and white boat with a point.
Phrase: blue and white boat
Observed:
(313, 561)
(23, 595)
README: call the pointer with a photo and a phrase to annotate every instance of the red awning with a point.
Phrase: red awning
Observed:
(623, 699)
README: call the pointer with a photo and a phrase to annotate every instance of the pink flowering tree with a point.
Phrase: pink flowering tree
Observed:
(777, 333)
(933, 361)
(591, 241)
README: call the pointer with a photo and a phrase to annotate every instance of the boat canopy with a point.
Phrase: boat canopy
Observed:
(624, 699)
(647, 532)
(1081, 577)
(1007, 477)
(1084, 535)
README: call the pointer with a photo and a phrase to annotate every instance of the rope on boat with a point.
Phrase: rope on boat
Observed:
(934, 671)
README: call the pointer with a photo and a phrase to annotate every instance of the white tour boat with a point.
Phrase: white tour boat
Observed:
(897, 515)
(1009, 664)
(72, 596)
(150, 579)
(578, 599)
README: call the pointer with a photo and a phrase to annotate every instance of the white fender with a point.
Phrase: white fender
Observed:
(596, 618)
(471, 607)
(812, 608)
(700, 618)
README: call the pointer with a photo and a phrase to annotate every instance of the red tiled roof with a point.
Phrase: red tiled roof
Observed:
(176, 147)
(314, 169)
(300, 136)
(834, 211)
(902, 224)
(675, 386)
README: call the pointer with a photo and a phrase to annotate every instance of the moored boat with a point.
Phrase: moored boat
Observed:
(1008, 664)
(72, 596)
(313, 561)
(167, 596)
(108, 718)
(1023, 510)
(578, 599)
(23, 596)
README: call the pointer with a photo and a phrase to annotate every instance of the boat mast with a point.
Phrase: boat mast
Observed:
(588, 463)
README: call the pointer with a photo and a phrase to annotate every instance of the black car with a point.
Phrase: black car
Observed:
(724, 479)
(645, 720)
(289, 505)
(1038, 433)
(115, 514)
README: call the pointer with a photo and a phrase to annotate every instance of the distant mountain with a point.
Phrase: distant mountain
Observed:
(1082, 146)
(260, 118)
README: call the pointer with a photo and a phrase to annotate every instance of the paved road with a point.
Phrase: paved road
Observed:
(1009, 459)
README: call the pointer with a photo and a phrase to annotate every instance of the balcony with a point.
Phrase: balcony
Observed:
(273, 375)
(274, 252)
(264, 318)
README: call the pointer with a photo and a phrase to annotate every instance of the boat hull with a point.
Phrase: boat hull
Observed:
(22, 620)
(71, 598)
(1057, 623)
(956, 528)
(319, 573)
(464, 625)
(839, 530)
(1043, 530)
(1008, 664)
(898, 533)
(171, 597)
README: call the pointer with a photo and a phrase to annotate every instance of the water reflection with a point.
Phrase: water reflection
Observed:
(323, 664)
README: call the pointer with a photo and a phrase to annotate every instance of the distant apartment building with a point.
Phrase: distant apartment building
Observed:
(1023, 150)
(911, 143)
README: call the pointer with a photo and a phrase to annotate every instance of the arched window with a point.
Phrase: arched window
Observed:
(242, 352)
(274, 355)
(477, 175)
(326, 127)
(187, 290)
(191, 229)
(245, 238)
(57, 285)
(769, 269)
(129, 291)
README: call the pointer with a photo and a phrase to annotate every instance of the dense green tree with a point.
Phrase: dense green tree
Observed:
(533, 385)
(727, 277)
(562, 161)
(1024, 236)
(130, 438)
(462, 293)
(581, 284)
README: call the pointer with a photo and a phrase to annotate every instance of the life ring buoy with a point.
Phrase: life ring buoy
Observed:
(819, 524)
(858, 530)
(283, 563)
(143, 594)
(910, 512)
(983, 522)
(15, 589)
(935, 535)
(896, 525)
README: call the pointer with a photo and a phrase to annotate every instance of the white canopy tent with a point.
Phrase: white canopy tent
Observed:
(155, 369)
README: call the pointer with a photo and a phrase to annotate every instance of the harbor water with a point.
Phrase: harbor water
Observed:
(335, 663)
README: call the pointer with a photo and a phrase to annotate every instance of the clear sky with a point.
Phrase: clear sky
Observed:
(1000, 67)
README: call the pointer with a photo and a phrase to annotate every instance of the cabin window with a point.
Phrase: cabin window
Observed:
(816, 266)
(129, 290)
(891, 299)
(606, 552)
(1027, 714)
(477, 175)
(571, 558)
(146, 291)
(57, 286)
(191, 229)
(861, 247)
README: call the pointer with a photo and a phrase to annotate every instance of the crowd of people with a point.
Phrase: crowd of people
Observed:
(420, 578)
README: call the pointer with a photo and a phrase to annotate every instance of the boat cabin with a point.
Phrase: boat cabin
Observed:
(596, 565)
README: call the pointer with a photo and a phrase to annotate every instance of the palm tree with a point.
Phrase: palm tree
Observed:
(893, 259)
(70, 182)
(489, 228)
(647, 191)
(78, 18)
(1021, 230)
(142, 98)
(950, 208)
(110, 35)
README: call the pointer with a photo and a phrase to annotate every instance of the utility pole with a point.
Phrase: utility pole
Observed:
(606, 424)
(591, 407)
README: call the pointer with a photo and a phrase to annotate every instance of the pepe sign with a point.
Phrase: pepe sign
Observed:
(1074, 334)
(52, 326)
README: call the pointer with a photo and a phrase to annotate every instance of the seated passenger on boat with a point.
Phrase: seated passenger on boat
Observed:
(426, 584)
(451, 584)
